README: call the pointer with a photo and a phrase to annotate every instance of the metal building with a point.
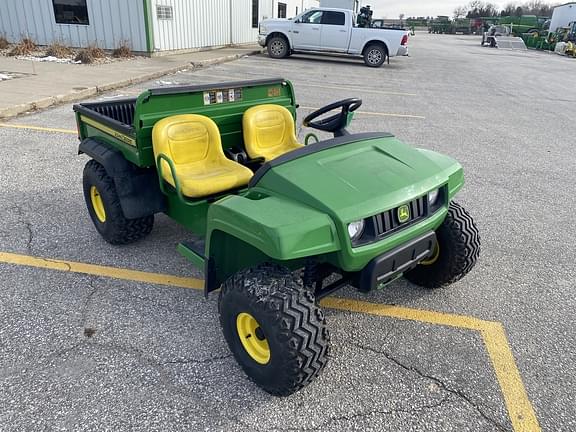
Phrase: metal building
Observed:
(148, 26)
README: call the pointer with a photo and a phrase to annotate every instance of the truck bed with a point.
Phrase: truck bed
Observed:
(121, 110)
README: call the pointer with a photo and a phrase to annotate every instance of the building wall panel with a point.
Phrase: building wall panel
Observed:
(194, 24)
(110, 22)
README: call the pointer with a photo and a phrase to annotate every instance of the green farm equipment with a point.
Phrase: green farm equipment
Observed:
(440, 25)
(545, 40)
(524, 23)
(274, 224)
(461, 25)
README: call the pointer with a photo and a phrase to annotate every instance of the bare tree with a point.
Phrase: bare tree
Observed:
(460, 12)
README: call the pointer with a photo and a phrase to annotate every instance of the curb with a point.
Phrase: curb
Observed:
(47, 102)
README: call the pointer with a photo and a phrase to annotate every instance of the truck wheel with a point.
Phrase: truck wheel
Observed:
(456, 253)
(278, 47)
(105, 210)
(375, 55)
(274, 328)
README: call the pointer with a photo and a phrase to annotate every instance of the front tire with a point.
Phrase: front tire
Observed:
(457, 251)
(278, 47)
(274, 328)
(105, 209)
(375, 55)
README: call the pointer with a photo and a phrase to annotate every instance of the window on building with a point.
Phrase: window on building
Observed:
(71, 12)
(255, 9)
(281, 10)
(333, 18)
(296, 10)
(312, 17)
(164, 12)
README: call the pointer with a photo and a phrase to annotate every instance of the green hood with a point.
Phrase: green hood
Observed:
(359, 179)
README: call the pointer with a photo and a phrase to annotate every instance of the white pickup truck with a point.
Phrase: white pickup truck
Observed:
(331, 30)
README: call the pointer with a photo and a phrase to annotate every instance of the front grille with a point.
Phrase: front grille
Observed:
(386, 223)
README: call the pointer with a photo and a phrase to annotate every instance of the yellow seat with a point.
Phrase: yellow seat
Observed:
(192, 142)
(269, 131)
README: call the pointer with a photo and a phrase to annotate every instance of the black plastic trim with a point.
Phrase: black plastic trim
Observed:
(314, 148)
(138, 188)
(204, 87)
(389, 266)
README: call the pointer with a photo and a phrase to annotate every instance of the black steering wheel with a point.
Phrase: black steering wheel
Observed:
(337, 122)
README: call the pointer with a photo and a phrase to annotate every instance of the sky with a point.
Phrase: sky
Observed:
(393, 8)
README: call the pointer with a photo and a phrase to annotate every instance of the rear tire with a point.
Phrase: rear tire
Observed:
(274, 328)
(375, 55)
(105, 209)
(457, 253)
(278, 47)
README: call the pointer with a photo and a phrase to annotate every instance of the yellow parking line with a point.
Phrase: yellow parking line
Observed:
(519, 408)
(38, 128)
(391, 311)
(516, 399)
(97, 270)
(517, 402)
(379, 114)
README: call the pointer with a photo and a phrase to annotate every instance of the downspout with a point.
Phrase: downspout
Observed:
(148, 27)
(231, 25)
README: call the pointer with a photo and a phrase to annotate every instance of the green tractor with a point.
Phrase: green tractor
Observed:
(274, 224)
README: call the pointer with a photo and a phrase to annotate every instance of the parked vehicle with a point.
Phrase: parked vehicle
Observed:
(524, 23)
(274, 224)
(562, 16)
(491, 36)
(330, 30)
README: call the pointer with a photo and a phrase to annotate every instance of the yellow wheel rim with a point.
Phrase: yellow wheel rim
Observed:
(252, 338)
(97, 204)
(433, 258)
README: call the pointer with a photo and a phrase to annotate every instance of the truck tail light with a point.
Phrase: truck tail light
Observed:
(404, 40)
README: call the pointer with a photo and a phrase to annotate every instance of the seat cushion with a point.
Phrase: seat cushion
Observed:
(200, 180)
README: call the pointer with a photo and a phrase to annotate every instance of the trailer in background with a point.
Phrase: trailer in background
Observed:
(563, 16)
(341, 4)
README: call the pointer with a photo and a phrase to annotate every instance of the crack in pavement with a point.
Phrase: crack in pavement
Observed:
(437, 381)
(27, 225)
(198, 361)
(91, 294)
(55, 261)
(355, 416)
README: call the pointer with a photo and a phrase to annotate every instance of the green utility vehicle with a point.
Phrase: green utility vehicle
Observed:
(275, 225)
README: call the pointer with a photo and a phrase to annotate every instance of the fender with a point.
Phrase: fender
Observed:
(248, 230)
(279, 33)
(379, 41)
(138, 188)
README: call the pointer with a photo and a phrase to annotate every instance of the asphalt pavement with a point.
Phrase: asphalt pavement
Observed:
(90, 352)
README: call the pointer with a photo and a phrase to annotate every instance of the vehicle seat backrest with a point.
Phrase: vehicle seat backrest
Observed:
(186, 139)
(269, 131)
(192, 144)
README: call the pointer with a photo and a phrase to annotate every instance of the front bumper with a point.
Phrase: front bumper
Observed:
(262, 40)
(389, 266)
(402, 51)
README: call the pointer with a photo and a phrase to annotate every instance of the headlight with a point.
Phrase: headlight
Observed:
(262, 29)
(355, 229)
(433, 197)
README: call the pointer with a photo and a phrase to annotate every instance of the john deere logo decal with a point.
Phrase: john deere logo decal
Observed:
(403, 213)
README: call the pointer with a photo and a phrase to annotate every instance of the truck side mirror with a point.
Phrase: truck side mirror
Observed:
(297, 21)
